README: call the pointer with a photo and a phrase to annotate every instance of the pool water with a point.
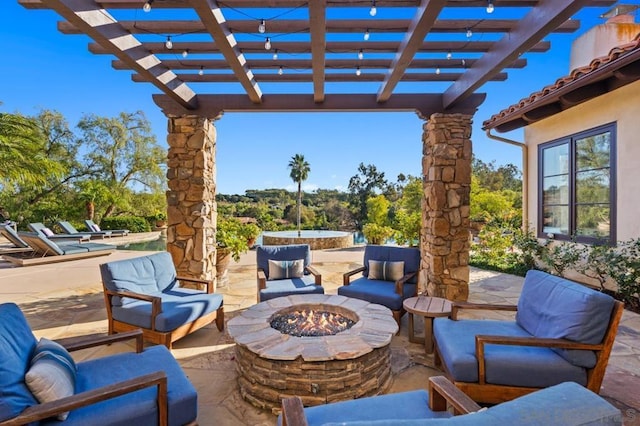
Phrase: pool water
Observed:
(155, 245)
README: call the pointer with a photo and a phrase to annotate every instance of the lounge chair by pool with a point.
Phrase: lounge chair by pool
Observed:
(42, 230)
(70, 229)
(19, 245)
(51, 252)
(92, 226)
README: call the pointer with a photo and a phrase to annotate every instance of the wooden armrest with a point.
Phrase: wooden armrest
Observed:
(156, 302)
(48, 409)
(442, 391)
(93, 340)
(347, 275)
(262, 279)
(293, 412)
(403, 280)
(456, 306)
(482, 340)
(207, 283)
(313, 271)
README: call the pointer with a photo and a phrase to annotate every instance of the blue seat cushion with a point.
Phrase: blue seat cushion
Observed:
(404, 405)
(554, 307)
(286, 252)
(505, 365)
(179, 306)
(138, 408)
(410, 257)
(17, 344)
(146, 275)
(380, 292)
(286, 287)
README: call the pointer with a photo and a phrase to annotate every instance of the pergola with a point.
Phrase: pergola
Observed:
(329, 46)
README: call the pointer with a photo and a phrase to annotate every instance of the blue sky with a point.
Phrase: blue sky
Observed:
(43, 69)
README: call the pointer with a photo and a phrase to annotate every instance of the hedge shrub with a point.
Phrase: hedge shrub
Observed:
(132, 223)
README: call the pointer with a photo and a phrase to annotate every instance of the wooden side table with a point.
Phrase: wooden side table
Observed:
(429, 308)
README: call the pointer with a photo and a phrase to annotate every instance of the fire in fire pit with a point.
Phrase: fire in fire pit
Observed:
(310, 322)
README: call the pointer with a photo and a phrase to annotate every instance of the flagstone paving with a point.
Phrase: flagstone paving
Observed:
(65, 299)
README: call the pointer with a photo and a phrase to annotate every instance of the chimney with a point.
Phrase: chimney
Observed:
(620, 28)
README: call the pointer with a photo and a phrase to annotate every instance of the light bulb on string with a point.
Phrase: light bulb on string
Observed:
(275, 55)
(262, 27)
(490, 7)
(464, 63)
(449, 55)
(280, 71)
(360, 54)
(147, 6)
(185, 53)
(366, 34)
(469, 33)
(267, 44)
(374, 10)
(438, 70)
(201, 72)
(358, 72)
(168, 44)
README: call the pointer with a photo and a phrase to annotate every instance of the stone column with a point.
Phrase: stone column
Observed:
(191, 198)
(444, 240)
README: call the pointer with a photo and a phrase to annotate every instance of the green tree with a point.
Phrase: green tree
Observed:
(378, 210)
(363, 186)
(299, 172)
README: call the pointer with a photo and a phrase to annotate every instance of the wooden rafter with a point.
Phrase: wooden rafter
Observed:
(420, 26)
(533, 27)
(98, 24)
(317, 24)
(214, 22)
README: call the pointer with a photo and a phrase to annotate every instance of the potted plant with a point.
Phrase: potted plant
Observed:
(251, 232)
(161, 220)
(231, 242)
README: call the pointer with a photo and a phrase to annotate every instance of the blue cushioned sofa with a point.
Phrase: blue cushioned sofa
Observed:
(269, 288)
(387, 293)
(146, 387)
(567, 404)
(563, 331)
(145, 292)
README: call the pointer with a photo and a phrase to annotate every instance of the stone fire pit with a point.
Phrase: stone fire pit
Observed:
(351, 364)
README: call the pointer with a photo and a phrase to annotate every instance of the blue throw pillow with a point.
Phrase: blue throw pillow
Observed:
(52, 373)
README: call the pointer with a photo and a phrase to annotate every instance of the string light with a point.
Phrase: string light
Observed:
(449, 55)
(280, 71)
(464, 63)
(275, 55)
(490, 6)
(262, 27)
(267, 44)
(438, 70)
(201, 72)
(358, 72)
(360, 54)
(373, 11)
(469, 33)
(147, 6)
(169, 44)
(185, 53)
(366, 34)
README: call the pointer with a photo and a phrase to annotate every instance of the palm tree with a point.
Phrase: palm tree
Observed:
(299, 172)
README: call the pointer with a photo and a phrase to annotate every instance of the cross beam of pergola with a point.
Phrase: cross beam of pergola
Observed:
(319, 42)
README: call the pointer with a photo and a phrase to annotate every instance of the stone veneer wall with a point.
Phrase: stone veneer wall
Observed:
(444, 240)
(320, 243)
(191, 214)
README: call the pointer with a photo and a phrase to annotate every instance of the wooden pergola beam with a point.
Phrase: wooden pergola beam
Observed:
(533, 27)
(195, 64)
(336, 47)
(317, 24)
(420, 26)
(332, 26)
(213, 20)
(98, 24)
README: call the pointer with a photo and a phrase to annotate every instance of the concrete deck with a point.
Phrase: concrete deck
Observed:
(65, 299)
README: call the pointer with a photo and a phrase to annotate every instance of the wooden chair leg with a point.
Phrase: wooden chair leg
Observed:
(220, 318)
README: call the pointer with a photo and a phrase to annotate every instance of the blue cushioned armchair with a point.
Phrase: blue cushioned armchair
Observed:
(390, 293)
(145, 387)
(145, 293)
(567, 404)
(270, 287)
(563, 331)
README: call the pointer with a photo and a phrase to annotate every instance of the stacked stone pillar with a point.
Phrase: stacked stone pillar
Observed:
(191, 214)
(444, 240)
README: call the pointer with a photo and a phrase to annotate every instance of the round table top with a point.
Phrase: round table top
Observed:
(428, 306)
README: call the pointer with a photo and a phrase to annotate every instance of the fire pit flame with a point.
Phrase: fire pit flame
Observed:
(310, 322)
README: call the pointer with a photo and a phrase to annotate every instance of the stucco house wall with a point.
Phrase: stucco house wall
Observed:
(621, 106)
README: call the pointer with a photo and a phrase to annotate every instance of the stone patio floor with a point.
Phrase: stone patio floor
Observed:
(65, 299)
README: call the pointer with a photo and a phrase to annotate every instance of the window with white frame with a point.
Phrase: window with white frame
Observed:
(577, 187)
